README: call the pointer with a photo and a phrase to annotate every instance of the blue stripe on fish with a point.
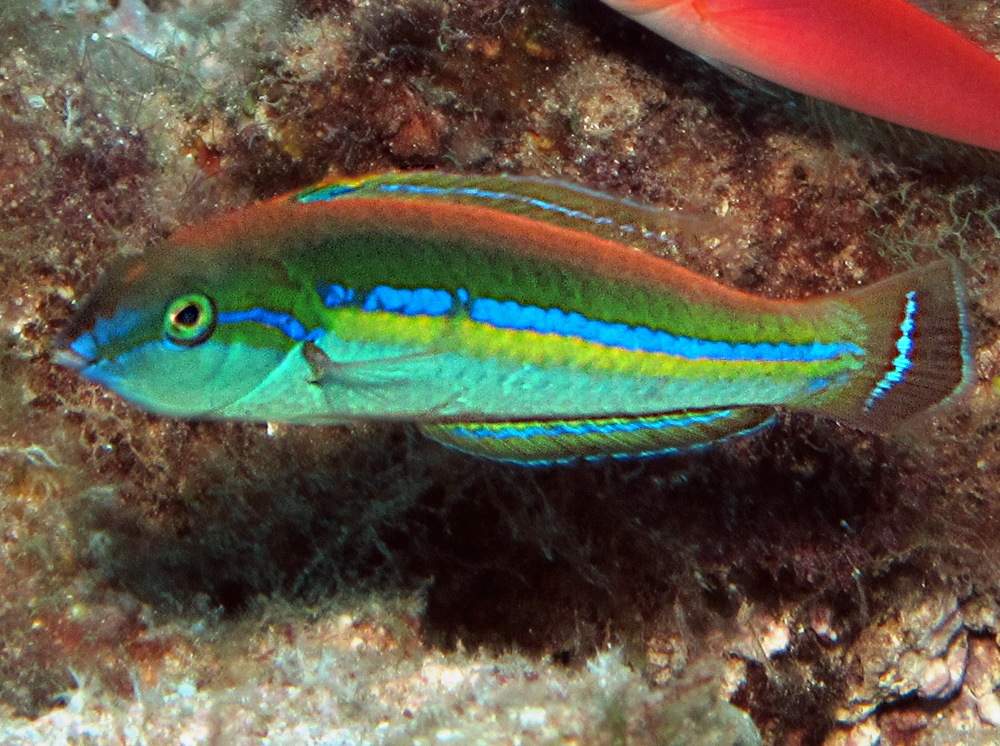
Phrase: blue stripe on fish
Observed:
(904, 347)
(490, 194)
(416, 302)
(493, 195)
(334, 296)
(85, 347)
(323, 194)
(512, 315)
(566, 441)
(288, 325)
(332, 192)
(508, 314)
(88, 345)
(597, 427)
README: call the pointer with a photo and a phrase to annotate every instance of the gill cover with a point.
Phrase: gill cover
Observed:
(152, 335)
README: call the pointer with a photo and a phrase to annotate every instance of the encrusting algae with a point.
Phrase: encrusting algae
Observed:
(155, 564)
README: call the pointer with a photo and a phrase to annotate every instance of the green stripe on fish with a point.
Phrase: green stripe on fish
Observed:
(511, 318)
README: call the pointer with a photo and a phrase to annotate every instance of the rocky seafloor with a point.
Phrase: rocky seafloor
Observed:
(176, 582)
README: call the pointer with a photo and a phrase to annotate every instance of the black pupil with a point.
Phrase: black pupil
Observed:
(188, 316)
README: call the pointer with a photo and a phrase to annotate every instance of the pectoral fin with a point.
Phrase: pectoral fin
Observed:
(540, 442)
(380, 371)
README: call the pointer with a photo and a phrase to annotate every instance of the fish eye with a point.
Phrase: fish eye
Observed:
(190, 320)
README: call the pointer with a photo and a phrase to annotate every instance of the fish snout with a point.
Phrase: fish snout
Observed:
(75, 351)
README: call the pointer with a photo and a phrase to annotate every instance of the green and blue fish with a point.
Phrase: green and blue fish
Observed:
(507, 317)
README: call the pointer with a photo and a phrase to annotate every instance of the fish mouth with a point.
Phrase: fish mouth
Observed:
(69, 358)
(74, 351)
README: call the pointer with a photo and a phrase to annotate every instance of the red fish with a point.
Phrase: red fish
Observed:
(885, 58)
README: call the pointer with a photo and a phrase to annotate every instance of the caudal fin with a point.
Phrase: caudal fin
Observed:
(918, 351)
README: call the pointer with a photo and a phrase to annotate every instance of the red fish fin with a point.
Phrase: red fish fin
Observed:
(860, 132)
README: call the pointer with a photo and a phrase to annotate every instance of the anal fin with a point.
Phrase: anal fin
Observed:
(540, 442)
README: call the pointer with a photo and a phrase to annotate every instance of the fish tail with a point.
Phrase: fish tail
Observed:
(918, 350)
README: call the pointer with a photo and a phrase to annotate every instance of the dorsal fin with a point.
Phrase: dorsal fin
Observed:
(556, 202)
(543, 442)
